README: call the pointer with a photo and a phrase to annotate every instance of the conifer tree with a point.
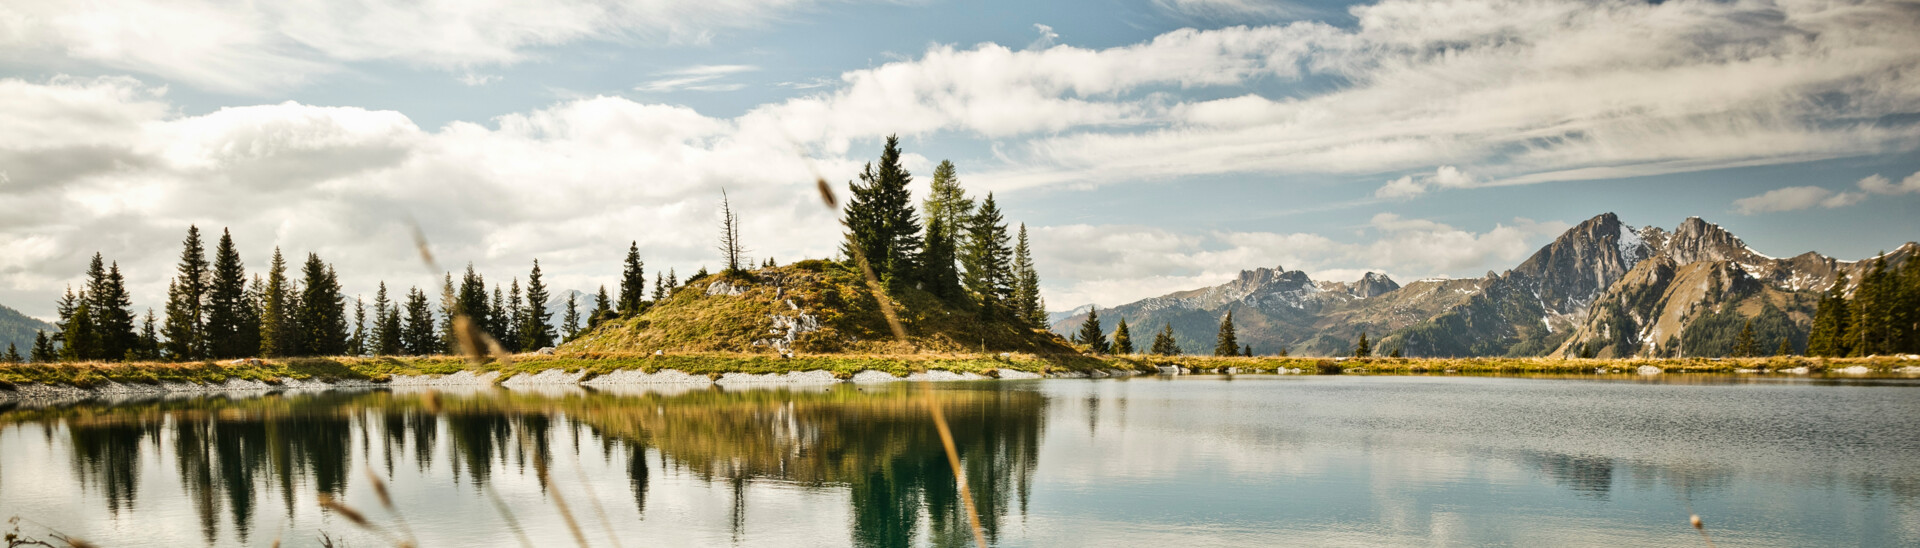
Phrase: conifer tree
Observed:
(570, 323)
(228, 331)
(1122, 340)
(322, 312)
(43, 351)
(278, 333)
(1828, 337)
(1225, 344)
(1872, 307)
(65, 326)
(535, 334)
(633, 283)
(110, 313)
(948, 203)
(148, 347)
(186, 299)
(1283, 351)
(386, 331)
(1027, 304)
(420, 337)
(80, 344)
(673, 282)
(516, 318)
(1395, 353)
(498, 320)
(659, 288)
(1246, 350)
(449, 308)
(601, 309)
(1163, 343)
(473, 302)
(730, 247)
(1091, 334)
(1743, 345)
(13, 355)
(357, 343)
(1362, 348)
(938, 274)
(881, 223)
(989, 261)
(1786, 347)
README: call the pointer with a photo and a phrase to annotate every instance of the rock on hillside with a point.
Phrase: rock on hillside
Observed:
(807, 307)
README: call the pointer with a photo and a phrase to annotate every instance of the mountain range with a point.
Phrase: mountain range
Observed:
(1603, 288)
(18, 329)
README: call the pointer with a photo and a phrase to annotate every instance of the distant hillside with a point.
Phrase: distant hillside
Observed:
(1602, 287)
(808, 307)
(18, 329)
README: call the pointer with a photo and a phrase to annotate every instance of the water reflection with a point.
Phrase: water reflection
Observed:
(877, 444)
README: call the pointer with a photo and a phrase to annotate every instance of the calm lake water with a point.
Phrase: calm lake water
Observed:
(1194, 461)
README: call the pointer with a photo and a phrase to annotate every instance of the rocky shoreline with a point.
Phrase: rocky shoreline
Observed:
(36, 392)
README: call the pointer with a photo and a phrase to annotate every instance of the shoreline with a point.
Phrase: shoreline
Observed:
(81, 381)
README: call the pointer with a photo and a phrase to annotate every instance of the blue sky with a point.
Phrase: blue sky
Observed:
(1150, 146)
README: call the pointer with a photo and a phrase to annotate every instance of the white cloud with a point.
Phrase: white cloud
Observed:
(1878, 184)
(1404, 187)
(697, 78)
(1230, 9)
(1795, 198)
(1046, 39)
(258, 47)
(1117, 264)
(1408, 186)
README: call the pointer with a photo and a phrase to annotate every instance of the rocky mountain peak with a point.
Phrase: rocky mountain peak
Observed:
(1699, 240)
(1571, 271)
(1373, 285)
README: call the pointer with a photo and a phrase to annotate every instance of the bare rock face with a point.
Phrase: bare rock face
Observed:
(1373, 285)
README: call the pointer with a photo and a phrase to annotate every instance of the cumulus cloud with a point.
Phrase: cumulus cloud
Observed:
(1117, 264)
(1878, 184)
(1407, 186)
(257, 47)
(1795, 198)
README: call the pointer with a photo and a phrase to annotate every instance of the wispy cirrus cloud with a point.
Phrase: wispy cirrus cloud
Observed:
(697, 78)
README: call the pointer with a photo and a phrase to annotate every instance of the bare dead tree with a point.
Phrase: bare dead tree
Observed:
(730, 246)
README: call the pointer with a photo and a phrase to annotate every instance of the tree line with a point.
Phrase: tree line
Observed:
(1881, 317)
(963, 253)
(215, 310)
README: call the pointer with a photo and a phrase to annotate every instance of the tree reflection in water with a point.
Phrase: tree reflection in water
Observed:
(876, 442)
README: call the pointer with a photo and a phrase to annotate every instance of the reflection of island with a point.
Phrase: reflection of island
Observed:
(876, 442)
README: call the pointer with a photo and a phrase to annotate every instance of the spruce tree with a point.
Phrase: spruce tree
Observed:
(1743, 345)
(498, 320)
(570, 323)
(989, 262)
(1246, 350)
(633, 283)
(386, 332)
(110, 313)
(1026, 284)
(228, 332)
(938, 274)
(1786, 347)
(13, 355)
(659, 288)
(357, 343)
(516, 320)
(322, 316)
(148, 347)
(602, 310)
(449, 308)
(535, 334)
(43, 351)
(66, 307)
(1871, 327)
(1828, 337)
(881, 224)
(473, 301)
(673, 282)
(279, 336)
(186, 301)
(80, 344)
(421, 338)
(1091, 334)
(947, 202)
(1225, 344)
(1163, 343)
(1362, 348)
(1122, 340)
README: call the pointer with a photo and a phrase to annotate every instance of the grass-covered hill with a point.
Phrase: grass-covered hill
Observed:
(807, 307)
(19, 329)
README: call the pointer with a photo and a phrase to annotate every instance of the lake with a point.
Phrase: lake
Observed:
(1188, 461)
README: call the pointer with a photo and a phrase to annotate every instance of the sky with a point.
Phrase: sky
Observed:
(1148, 146)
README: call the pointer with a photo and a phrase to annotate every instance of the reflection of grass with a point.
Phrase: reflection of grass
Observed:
(845, 365)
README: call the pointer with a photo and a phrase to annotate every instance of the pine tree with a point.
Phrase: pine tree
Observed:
(13, 355)
(516, 318)
(1091, 333)
(881, 223)
(473, 302)
(601, 309)
(659, 288)
(989, 262)
(1830, 323)
(228, 331)
(570, 323)
(66, 306)
(1246, 350)
(110, 313)
(1362, 348)
(357, 343)
(535, 334)
(1122, 340)
(1786, 347)
(43, 351)
(148, 347)
(449, 308)
(948, 202)
(633, 283)
(1026, 284)
(938, 274)
(421, 338)
(1225, 344)
(1743, 345)
(279, 336)
(1871, 327)
(387, 334)
(673, 282)
(1163, 343)
(80, 343)
(498, 320)
(322, 311)
(186, 301)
